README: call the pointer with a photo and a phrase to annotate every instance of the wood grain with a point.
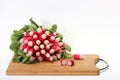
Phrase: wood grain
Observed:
(81, 67)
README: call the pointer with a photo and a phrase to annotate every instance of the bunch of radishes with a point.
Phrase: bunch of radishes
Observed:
(42, 45)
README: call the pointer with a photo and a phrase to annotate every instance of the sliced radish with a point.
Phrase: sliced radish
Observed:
(70, 62)
(63, 62)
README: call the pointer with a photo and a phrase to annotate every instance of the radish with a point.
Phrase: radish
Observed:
(63, 62)
(32, 33)
(23, 46)
(41, 57)
(30, 51)
(43, 51)
(35, 36)
(36, 48)
(46, 42)
(42, 46)
(42, 37)
(23, 39)
(47, 55)
(32, 58)
(57, 39)
(28, 39)
(58, 56)
(26, 49)
(49, 59)
(26, 34)
(38, 42)
(43, 29)
(54, 57)
(47, 33)
(51, 51)
(39, 31)
(53, 34)
(70, 62)
(47, 47)
(78, 56)
(31, 43)
(37, 53)
(51, 38)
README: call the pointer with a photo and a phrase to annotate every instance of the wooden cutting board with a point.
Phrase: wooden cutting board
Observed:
(81, 67)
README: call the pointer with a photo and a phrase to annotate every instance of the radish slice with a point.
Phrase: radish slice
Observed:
(63, 62)
(70, 62)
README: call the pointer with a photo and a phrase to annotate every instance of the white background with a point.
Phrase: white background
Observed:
(89, 26)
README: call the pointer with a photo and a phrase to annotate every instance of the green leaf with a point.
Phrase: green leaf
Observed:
(53, 28)
(17, 59)
(68, 48)
(24, 28)
(66, 55)
(25, 59)
(15, 46)
(59, 36)
(33, 22)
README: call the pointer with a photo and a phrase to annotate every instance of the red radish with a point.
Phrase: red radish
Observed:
(26, 34)
(51, 38)
(57, 39)
(31, 43)
(63, 62)
(32, 58)
(23, 39)
(51, 51)
(36, 48)
(32, 33)
(46, 42)
(41, 57)
(47, 47)
(28, 39)
(42, 46)
(53, 34)
(54, 57)
(49, 59)
(26, 49)
(39, 31)
(35, 36)
(37, 53)
(38, 42)
(43, 51)
(58, 56)
(78, 56)
(47, 55)
(30, 51)
(23, 46)
(47, 33)
(55, 48)
(70, 62)
(42, 37)
(43, 29)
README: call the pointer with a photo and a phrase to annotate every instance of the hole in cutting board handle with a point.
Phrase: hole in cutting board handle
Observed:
(106, 65)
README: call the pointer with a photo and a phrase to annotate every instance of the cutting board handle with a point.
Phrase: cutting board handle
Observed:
(104, 68)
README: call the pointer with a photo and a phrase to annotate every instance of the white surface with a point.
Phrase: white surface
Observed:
(89, 26)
